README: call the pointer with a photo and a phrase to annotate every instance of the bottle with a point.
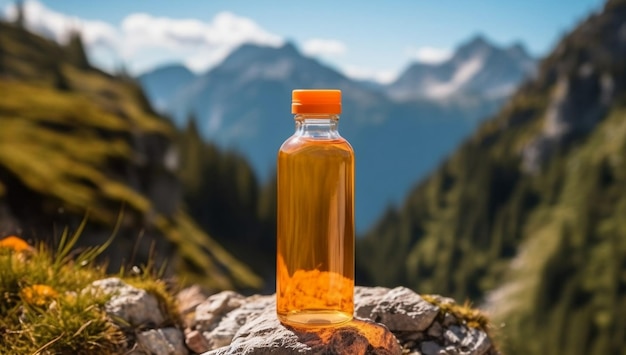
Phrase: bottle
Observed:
(315, 227)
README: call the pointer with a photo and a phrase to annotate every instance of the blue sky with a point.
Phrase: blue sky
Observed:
(364, 39)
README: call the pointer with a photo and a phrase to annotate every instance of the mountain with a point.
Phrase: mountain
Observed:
(78, 144)
(163, 82)
(235, 101)
(244, 104)
(527, 216)
(477, 68)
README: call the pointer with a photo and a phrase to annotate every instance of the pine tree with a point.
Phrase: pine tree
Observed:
(20, 19)
(76, 51)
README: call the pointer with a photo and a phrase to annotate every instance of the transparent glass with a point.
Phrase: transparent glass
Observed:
(315, 238)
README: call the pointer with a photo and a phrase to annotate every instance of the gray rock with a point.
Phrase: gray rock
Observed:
(130, 304)
(189, 298)
(453, 335)
(228, 324)
(476, 342)
(435, 330)
(577, 104)
(196, 342)
(366, 298)
(165, 341)
(449, 320)
(404, 310)
(451, 350)
(252, 328)
(211, 311)
(409, 336)
(430, 348)
(265, 335)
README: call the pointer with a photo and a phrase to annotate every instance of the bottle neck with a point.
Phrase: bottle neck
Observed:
(319, 126)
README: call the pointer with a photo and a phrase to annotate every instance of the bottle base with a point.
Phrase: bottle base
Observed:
(315, 318)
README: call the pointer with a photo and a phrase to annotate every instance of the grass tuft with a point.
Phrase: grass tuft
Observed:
(465, 313)
(42, 308)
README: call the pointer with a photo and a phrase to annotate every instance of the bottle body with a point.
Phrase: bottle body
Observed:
(315, 229)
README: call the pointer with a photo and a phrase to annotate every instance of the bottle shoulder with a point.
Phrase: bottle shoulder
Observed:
(297, 143)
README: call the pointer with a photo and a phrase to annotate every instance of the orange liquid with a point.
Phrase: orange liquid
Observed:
(315, 261)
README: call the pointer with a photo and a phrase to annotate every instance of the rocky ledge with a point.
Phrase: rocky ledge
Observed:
(388, 321)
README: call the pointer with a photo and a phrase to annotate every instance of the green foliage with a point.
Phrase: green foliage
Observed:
(45, 308)
(572, 261)
(545, 251)
(42, 308)
(223, 195)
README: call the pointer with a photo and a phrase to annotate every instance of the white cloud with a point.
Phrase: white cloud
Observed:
(200, 44)
(142, 40)
(323, 47)
(383, 76)
(429, 55)
(226, 29)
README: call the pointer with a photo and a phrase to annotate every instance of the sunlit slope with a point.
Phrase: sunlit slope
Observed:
(75, 140)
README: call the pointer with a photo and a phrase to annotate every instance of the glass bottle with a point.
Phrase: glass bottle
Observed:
(315, 227)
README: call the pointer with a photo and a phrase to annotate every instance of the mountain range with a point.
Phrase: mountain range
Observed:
(244, 104)
(477, 68)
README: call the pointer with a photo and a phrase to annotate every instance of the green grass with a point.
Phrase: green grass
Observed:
(465, 313)
(43, 309)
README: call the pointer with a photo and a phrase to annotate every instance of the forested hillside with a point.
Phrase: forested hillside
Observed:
(222, 193)
(76, 143)
(528, 215)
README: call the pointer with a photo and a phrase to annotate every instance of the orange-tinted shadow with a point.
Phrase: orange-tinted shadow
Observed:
(358, 337)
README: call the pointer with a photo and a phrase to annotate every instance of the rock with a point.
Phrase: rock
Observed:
(196, 342)
(228, 324)
(394, 321)
(254, 328)
(458, 340)
(136, 308)
(189, 298)
(577, 104)
(265, 335)
(404, 310)
(209, 313)
(453, 335)
(130, 304)
(430, 348)
(165, 341)
(476, 342)
(366, 298)
(449, 319)
(434, 330)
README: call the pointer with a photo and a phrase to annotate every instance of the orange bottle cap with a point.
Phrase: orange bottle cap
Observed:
(316, 101)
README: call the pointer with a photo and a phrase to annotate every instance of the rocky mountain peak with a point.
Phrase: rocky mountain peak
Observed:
(477, 68)
(249, 53)
(478, 45)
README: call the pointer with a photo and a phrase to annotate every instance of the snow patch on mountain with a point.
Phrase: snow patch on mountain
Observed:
(461, 76)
